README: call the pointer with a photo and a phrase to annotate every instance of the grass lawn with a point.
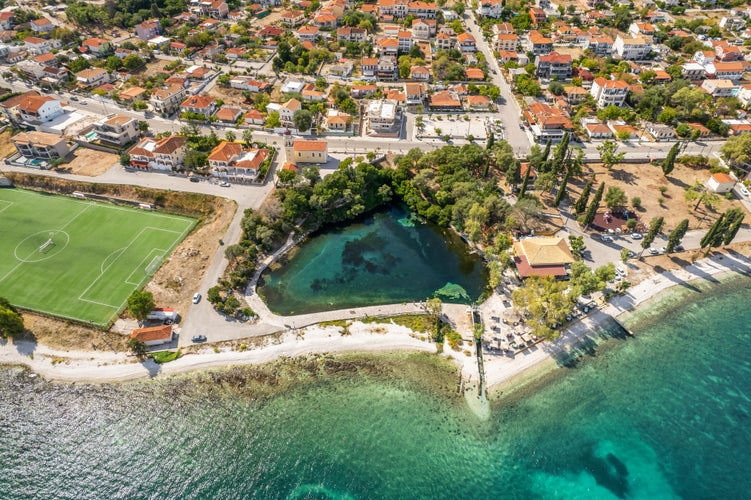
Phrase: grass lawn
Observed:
(76, 258)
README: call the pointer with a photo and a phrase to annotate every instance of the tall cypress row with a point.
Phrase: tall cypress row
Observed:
(589, 216)
(581, 204)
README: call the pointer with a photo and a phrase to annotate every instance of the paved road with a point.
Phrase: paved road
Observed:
(509, 112)
(602, 252)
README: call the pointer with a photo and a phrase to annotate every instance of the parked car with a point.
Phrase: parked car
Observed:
(744, 191)
(84, 101)
(198, 338)
(654, 251)
(196, 298)
(73, 98)
(225, 184)
(606, 237)
(637, 236)
(195, 179)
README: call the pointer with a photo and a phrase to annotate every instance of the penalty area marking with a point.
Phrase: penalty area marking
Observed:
(147, 269)
(7, 205)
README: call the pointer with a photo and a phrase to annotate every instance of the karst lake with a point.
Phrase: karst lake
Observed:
(391, 256)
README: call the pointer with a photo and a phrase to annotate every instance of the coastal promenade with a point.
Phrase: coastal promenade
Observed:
(499, 370)
(108, 367)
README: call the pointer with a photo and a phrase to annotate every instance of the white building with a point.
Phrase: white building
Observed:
(609, 92)
(632, 48)
(382, 115)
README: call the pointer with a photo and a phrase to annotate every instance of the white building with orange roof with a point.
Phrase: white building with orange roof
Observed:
(231, 161)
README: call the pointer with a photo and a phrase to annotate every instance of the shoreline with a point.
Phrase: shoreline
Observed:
(501, 373)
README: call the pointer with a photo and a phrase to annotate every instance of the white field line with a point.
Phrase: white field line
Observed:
(141, 268)
(152, 214)
(7, 206)
(167, 252)
(124, 250)
(60, 229)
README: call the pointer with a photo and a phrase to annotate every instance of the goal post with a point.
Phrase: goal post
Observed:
(46, 245)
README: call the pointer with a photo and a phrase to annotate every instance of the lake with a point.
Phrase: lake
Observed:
(390, 256)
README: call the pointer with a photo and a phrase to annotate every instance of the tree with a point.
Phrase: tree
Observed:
(625, 254)
(655, 226)
(132, 62)
(636, 202)
(302, 119)
(434, 308)
(556, 88)
(125, 160)
(230, 136)
(287, 177)
(273, 120)
(113, 63)
(11, 322)
(559, 154)
(605, 273)
(736, 217)
(608, 155)
(737, 150)
(562, 189)
(583, 280)
(546, 302)
(581, 204)
(526, 209)
(589, 215)
(676, 235)
(247, 137)
(615, 197)
(544, 182)
(140, 304)
(523, 189)
(195, 160)
(669, 163)
(137, 347)
(577, 245)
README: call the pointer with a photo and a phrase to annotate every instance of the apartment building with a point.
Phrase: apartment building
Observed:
(117, 129)
(164, 154)
(609, 92)
(40, 145)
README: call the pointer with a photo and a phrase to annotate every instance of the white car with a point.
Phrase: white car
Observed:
(605, 237)
(636, 236)
(654, 251)
(196, 298)
(744, 191)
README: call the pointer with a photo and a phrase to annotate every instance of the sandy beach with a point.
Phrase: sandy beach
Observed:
(87, 366)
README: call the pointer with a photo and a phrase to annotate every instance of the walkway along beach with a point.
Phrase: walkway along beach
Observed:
(111, 367)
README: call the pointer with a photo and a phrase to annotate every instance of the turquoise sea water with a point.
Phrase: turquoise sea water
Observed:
(664, 414)
(388, 257)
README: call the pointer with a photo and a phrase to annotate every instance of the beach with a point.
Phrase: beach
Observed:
(99, 366)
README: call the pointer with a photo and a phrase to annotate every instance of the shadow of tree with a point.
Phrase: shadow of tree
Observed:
(26, 343)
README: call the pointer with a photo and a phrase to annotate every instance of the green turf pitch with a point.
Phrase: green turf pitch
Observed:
(76, 258)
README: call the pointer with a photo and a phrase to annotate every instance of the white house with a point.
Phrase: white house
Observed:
(720, 183)
(632, 48)
(153, 335)
(609, 92)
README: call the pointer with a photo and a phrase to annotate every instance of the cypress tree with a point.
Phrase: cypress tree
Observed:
(655, 226)
(491, 141)
(589, 216)
(559, 155)
(669, 164)
(581, 204)
(546, 153)
(562, 189)
(736, 219)
(677, 235)
(523, 189)
(708, 238)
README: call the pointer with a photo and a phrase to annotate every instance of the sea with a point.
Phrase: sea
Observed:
(664, 413)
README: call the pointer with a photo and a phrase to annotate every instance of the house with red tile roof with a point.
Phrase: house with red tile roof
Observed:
(231, 161)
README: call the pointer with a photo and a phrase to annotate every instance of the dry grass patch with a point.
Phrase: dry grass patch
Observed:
(645, 182)
(6, 146)
(89, 162)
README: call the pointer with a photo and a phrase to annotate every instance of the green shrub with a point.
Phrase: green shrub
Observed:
(162, 357)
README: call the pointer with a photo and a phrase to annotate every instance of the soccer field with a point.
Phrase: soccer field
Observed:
(79, 259)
